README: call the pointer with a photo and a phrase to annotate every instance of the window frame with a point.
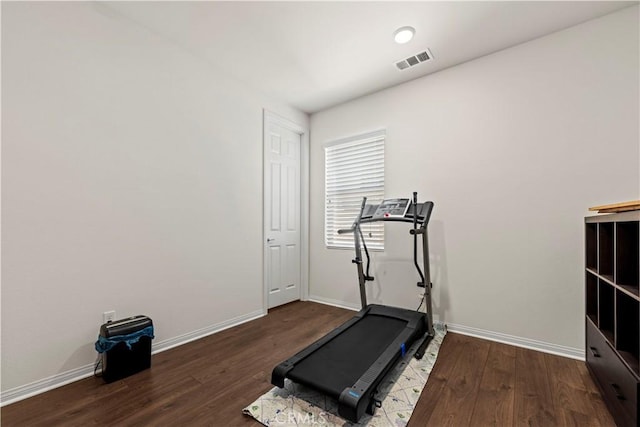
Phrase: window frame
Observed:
(372, 154)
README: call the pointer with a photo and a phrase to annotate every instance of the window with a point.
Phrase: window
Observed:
(354, 168)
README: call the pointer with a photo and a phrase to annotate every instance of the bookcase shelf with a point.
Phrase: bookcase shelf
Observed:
(627, 342)
(605, 310)
(605, 250)
(592, 297)
(591, 239)
(612, 309)
(627, 255)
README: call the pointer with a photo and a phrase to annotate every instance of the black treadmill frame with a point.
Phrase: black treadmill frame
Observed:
(360, 397)
(353, 401)
(419, 215)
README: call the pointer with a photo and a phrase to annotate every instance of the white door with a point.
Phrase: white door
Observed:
(281, 212)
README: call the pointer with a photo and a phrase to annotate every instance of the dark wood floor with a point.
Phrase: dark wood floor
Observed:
(209, 381)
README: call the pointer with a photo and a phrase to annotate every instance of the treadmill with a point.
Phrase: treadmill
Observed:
(349, 362)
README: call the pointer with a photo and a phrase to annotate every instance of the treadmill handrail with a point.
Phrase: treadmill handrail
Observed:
(357, 221)
(346, 230)
(416, 214)
(415, 238)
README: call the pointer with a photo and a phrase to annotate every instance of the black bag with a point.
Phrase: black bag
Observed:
(125, 347)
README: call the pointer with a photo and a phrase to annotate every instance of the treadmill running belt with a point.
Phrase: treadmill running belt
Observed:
(342, 361)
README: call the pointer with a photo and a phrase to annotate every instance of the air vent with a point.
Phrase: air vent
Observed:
(424, 56)
(414, 60)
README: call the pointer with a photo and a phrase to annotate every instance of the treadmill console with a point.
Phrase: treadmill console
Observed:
(395, 210)
(392, 208)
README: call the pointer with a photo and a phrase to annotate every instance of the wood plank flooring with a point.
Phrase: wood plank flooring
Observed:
(208, 382)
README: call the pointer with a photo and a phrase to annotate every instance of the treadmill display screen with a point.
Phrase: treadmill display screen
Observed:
(392, 208)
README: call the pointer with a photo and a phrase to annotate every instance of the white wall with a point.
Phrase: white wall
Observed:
(131, 181)
(512, 148)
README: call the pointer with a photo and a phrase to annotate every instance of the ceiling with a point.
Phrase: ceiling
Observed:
(313, 55)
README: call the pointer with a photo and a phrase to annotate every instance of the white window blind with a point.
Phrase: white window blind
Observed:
(354, 168)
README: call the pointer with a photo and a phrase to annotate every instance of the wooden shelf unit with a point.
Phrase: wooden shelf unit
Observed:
(612, 309)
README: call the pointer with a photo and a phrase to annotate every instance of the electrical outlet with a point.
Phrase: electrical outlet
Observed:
(108, 316)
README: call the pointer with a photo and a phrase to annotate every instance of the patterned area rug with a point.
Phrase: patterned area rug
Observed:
(297, 405)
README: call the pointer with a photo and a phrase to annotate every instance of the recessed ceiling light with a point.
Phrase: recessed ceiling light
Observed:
(404, 34)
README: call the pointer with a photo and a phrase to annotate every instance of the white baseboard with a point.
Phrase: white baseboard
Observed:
(37, 387)
(545, 347)
(332, 302)
(209, 330)
(559, 350)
